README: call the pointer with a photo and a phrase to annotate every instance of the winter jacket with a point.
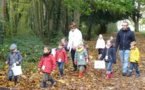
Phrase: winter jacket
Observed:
(75, 38)
(47, 63)
(80, 57)
(135, 56)
(111, 54)
(13, 58)
(100, 44)
(124, 38)
(61, 55)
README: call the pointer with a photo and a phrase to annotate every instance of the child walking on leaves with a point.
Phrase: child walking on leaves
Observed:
(100, 45)
(109, 55)
(47, 64)
(134, 59)
(81, 58)
(14, 57)
(61, 57)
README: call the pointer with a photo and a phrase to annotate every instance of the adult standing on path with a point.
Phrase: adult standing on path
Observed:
(124, 37)
(75, 38)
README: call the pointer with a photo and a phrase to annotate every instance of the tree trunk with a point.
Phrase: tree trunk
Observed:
(136, 16)
(2, 17)
(136, 24)
(77, 17)
(103, 29)
(36, 20)
(89, 31)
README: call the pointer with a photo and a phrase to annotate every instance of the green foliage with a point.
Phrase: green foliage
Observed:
(112, 27)
(31, 47)
(54, 39)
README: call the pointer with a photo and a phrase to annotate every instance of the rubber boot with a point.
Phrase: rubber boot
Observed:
(10, 78)
(16, 80)
(52, 82)
(80, 74)
(86, 69)
(43, 85)
(107, 76)
(137, 74)
(129, 74)
(111, 74)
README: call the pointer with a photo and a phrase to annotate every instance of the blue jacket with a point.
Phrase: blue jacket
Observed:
(111, 54)
(124, 38)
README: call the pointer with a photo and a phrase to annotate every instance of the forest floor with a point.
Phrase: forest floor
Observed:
(92, 80)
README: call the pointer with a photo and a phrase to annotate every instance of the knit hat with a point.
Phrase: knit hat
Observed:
(80, 43)
(13, 46)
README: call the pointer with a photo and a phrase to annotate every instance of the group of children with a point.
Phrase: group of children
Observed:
(48, 62)
(108, 54)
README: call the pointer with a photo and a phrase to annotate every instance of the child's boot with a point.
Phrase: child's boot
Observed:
(107, 76)
(10, 78)
(137, 74)
(86, 69)
(43, 84)
(16, 80)
(52, 82)
(129, 74)
(111, 74)
(80, 74)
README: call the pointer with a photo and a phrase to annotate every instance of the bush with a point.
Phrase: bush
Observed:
(31, 47)
(112, 27)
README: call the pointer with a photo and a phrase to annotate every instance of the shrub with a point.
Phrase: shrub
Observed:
(31, 47)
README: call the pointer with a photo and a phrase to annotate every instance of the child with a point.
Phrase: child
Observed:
(47, 64)
(134, 59)
(14, 57)
(81, 57)
(64, 41)
(61, 57)
(100, 45)
(112, 38)
(87, 48)
(109, 54)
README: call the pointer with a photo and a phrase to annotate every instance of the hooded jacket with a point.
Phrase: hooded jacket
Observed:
(81, 56)
(62, 55)
(135, 56)
(124, 38)
(47, 64)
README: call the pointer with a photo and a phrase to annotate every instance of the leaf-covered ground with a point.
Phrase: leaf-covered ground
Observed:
(93, 79)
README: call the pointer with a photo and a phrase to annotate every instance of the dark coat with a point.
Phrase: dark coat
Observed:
(111, 54)
(124, 38)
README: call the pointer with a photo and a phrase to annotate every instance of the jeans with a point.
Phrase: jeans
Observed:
(134, 65)
(11, 75)
(73, 57)
(124, 56)
(109, 67)
(60, 65)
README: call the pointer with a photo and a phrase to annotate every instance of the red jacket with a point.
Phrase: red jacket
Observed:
(61, 54)
(47, 64)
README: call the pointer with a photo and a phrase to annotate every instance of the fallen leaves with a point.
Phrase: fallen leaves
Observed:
(93, 79)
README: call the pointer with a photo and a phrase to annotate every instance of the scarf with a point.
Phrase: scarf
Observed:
(79, 50)
(46, 54)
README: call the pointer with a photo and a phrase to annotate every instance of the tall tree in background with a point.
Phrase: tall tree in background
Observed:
(2, 18)
(136, 13)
